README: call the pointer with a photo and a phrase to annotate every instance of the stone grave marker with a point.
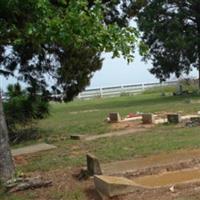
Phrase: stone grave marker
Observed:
(93, 165)
(195, 120)
(114, 117)
(148, 118)
(174, 118)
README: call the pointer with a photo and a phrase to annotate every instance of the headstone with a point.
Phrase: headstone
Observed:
(114, 117)
(195, 120)
(174, 118)
(148, 118)
(93, 165)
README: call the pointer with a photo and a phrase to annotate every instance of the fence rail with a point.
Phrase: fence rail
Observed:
(121, 89)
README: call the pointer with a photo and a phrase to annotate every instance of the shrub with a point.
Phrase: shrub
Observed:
(21, 110)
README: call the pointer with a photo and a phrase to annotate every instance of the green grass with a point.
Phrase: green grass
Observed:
(157, 140)
(161, 139)
(63, 121)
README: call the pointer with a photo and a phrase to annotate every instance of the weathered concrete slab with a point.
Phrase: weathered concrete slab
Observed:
(93, 165)
(148, 118)
(161, 121)
(110, 186)
(162, 159)
(32, 149)
(188, 117)
(169, 178)
(131, 119)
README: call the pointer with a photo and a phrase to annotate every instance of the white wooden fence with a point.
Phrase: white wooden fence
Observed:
(122, 89)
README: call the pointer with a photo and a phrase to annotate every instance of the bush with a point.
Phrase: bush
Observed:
(190, 85)
(161, 89)
(21, 110)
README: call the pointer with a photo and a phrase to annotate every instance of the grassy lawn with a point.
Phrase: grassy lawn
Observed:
(74, 118)
(87, 117)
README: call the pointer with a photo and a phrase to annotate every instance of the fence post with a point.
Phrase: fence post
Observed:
(122, 89)
(142, 86)
(101, 92)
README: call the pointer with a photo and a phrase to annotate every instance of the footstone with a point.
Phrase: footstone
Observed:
(174, 118)
(77, 137)
(111, 186)
(93, 165)
(148, 118)
(114, 117)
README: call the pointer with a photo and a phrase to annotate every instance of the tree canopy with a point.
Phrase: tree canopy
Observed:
(60, 40)
(171, 30)
(42, 39)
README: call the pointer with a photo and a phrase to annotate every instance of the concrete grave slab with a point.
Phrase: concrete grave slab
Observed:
(169, 178)
(32, 149)
(110, 186)
(188, 117)
(113, 186)
(161, 121)
(131, 119)
(178, 158)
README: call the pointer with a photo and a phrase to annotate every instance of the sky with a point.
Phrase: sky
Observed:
(116, 72)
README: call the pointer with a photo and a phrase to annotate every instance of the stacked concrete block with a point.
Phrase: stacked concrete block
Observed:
(148, 118)
(174, 118)
(114, 117)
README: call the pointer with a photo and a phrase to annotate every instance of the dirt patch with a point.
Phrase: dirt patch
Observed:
(65, 186)
(130, 125)
(74, 154)
(65, 183)
(20, 160)
(189, 191)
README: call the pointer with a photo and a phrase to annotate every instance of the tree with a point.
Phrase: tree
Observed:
(6, 164)
(171, 30)
(21, 109)
(37, 37)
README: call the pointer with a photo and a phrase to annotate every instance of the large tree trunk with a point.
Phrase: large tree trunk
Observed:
(199, 75)
(6, 163)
